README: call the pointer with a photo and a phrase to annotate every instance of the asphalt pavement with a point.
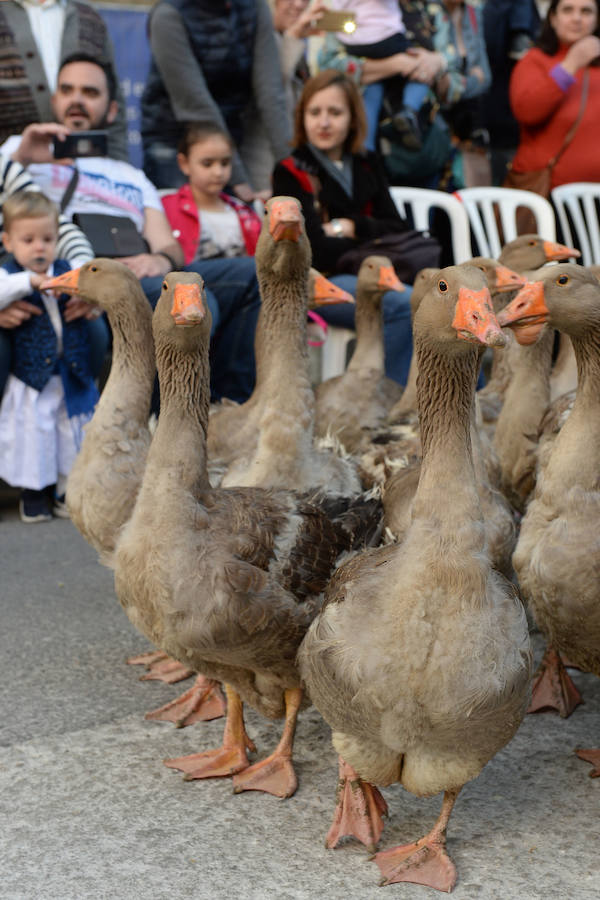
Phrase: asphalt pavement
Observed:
(89, 811)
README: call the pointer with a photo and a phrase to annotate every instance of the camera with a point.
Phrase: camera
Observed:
(334, 20)
(81, 143)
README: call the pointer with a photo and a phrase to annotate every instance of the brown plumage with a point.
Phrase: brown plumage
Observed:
(419, 659)
(226, 581)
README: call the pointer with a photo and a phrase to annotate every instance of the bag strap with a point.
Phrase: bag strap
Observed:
(571, 132)
(70, 190)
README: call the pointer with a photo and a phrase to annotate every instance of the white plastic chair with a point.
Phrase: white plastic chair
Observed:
(577, 210)
(481, 203)
(420, 202)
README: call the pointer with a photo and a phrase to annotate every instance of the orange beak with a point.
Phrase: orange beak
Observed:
(188, 307)
(507, 280)
(474, 318)
(325, 291)
(558, 251)
(527, 313)
(285, 222)
(68, 283)
(388, 279)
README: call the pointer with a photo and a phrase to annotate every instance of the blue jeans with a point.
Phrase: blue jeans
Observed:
(234, 301)
(98, 334)
(397, 331)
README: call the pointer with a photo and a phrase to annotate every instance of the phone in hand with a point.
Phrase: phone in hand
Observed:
(81, 143)
(337, 20)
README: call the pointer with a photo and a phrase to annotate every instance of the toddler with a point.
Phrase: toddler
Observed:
(50, 392)
(206, 221)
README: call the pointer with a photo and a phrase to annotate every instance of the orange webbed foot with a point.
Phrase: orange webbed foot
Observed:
(553, 687)
(359, 810)
(168, 670)
(273, 775)
(593, 757)
(221, 763)
(423, 862)
(147, 659)
(202, 702)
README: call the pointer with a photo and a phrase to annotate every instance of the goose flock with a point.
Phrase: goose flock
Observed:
(380, 554)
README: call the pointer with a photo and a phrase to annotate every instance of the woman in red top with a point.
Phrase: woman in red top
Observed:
(206, 221)
(546, 90)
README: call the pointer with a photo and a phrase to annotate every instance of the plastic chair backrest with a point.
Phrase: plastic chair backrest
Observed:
(577, 210)
(420, 202)
(481, 204)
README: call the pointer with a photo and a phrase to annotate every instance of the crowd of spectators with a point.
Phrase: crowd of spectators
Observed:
(240, 102)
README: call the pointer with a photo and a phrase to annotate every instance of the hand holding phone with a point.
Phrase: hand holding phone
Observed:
(337, 20)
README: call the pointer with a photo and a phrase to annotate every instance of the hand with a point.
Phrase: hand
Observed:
(581, 53)
(36, 280)
(147, 264)
(307, 23)
(347, 225)
(244, 192)
(36, 144)
(478, 73)
(403, 64)
(76, 308)
(17, 312)
(263, 195)
(429, 65)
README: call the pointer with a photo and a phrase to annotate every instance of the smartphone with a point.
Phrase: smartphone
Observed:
(334, 20)
(81, 143)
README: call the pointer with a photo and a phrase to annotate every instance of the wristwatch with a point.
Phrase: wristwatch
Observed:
(338, 228)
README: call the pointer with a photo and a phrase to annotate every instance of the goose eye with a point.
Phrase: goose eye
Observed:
(93, 268)
(562, 279)
(443, 286)
(165, 286)
(532, 243)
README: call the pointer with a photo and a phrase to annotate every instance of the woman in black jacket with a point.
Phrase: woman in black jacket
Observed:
(345, 200)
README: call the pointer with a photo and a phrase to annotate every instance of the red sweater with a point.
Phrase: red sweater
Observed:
(545, 113)
(183, 217)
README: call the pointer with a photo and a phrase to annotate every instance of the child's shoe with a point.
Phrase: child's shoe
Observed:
(59, 507)
(34, 507)
(406, 123)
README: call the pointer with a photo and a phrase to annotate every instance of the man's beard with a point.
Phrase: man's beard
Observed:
(84, 114)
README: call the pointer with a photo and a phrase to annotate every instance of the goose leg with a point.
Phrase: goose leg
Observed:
(359, 810)
(593, 757)
(553, 687)
(275, 774)
(228, 759)
(202, 702)
(425, 861)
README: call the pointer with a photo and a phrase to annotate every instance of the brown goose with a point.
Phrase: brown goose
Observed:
(419, 659)
(557, 559)
(362, 396)
(227, 581)
(285, 455)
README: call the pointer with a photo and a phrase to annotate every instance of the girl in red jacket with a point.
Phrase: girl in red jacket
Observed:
(206, 221)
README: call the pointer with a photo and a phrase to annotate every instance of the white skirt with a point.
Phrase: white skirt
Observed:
(38, 441)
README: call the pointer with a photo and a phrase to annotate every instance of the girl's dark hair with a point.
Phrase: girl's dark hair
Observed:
(196, 132)
(358, 120)
(548, 41)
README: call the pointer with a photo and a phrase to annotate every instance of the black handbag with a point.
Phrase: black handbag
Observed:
(408, 251)
(111, 236)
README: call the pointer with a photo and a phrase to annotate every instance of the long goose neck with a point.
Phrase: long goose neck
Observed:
(132, 370)
(369, 352)
(281, 346)
(445, 389)
(576, 454)
(528, 394)
(178, 449)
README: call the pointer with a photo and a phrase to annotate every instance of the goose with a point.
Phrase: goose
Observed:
(285, 454)
(107, 472)
(225, 580)
(420, 659)
(557, 558)
(362, 396)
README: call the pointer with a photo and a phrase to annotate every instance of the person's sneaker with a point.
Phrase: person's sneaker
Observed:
(34, 507)
(59, 507)
(406, 123)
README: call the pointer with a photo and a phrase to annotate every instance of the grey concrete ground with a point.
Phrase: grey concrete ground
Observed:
(89, 812)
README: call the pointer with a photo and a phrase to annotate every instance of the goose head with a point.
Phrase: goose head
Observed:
(375, 276)
(457, 310)
(499, 277)
(105, 282)
(530, 251)
(567, 296)
(182, 318)
(323, 292)
(283, 248)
